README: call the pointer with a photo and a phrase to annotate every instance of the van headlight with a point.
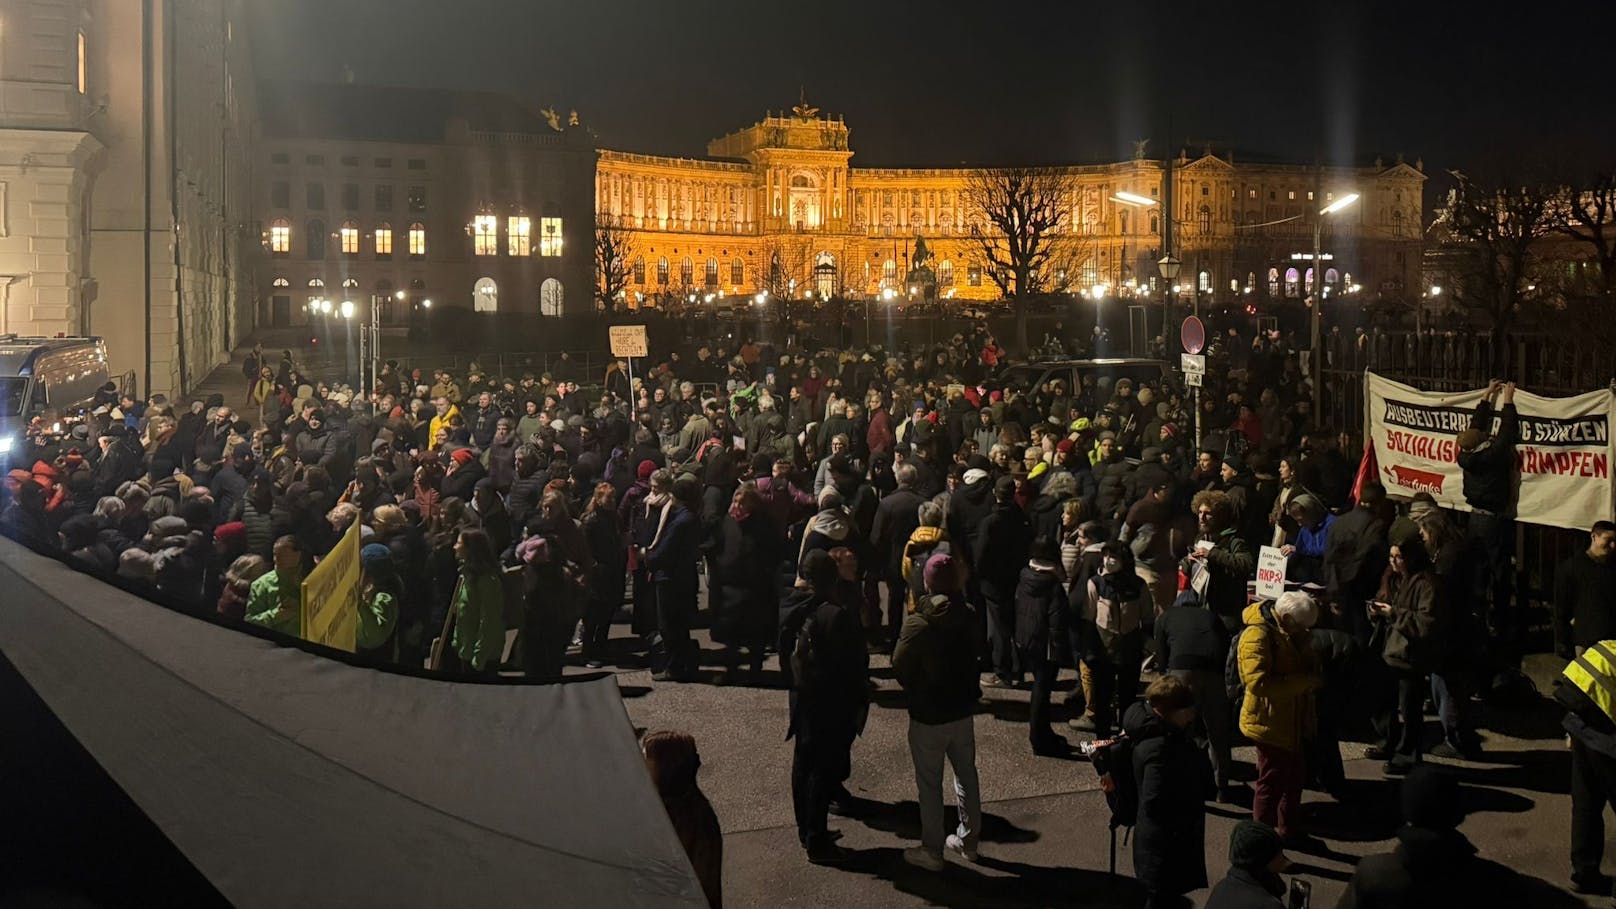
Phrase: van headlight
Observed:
(6, 442)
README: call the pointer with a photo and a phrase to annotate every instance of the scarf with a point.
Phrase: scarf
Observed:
(664, 502)
(923, 538)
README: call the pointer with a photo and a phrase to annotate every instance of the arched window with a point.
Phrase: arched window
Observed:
(1273, 282)
(662, 271)
(1203, 281)
(1292, 283)
(687, 272)
(1155, 223)
(1204, 219)
(350, 283)
(384, 240)
(1332, 280)
(348, 236)
(281, 282)
(417, 240)
(316, 240)
(1122, 219)
(639, 269)
(889, 271)
(280, 237)
(316, 282)
(825, 274)
(485, 295)
(1308, 282)
(737, 273)
(945, 273)
(552, 297)
(1397, 222)
(711, 275)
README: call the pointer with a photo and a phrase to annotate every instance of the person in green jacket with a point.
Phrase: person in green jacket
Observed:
(478, 640)
(275, 600)
(379, 594)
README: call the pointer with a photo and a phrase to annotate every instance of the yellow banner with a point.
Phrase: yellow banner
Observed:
(331, 596)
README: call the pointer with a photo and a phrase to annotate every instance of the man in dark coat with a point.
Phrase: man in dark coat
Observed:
(229, 486)
(1041, 638)
(1433, 863)
(1585, 594)
(823, 657)
(1256, 857)
(1169, 838)
(1355, 550)
(672, 561)
(896, 518)
(999, 550)
(968, 506)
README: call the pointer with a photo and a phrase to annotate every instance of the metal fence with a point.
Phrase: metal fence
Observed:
(1453, 361)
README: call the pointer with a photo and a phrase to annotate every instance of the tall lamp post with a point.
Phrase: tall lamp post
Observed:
(1169, 266)
(1317, 299)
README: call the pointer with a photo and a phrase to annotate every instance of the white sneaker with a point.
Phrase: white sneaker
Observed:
(958, 847)
(920, 858)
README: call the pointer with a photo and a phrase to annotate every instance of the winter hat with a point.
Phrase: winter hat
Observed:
(1169, 431)
(645, 469)
(1004, 487)
(978, 462)
(233, 532)
(461, 455)
(1431, 799)
(1108, 434)
(1064, 446)
(1150, 454)
(940, 575)
(1253, 845)
(1235, 463)
(376, 560)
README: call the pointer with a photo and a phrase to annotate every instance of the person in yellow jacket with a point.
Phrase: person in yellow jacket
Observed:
(446, 410)
(1280, 673)
(477, 642)
(925, 541)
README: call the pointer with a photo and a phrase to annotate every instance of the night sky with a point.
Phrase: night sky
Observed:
(1006, 82)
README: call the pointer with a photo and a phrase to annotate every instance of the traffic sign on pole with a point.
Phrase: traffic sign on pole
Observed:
(1192, 364)
(1193, 334)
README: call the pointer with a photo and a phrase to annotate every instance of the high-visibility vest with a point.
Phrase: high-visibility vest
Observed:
(1594, 674)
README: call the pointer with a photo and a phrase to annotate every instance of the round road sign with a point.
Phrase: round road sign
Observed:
(1193, 334)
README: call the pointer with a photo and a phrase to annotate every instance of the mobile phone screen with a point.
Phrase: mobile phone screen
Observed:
(1301, 894)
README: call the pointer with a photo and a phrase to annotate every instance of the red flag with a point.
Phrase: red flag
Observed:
(1368, 471)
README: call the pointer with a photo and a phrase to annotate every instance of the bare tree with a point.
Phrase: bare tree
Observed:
(786, 265)
(1585, 212)
(1497, 224)
(1018, 229)
(614, 263)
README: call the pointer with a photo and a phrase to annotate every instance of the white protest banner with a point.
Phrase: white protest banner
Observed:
(1562, 453)
(627, 340)
(1271, 565)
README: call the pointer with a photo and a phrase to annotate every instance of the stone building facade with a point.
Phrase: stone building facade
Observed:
(784, 190)
(123, 187)
(388, 198)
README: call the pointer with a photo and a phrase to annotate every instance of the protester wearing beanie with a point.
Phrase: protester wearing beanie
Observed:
(935, 662)
(1256, 857)
(378, 603)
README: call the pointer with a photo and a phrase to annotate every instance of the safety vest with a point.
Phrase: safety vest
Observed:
(1594, 674)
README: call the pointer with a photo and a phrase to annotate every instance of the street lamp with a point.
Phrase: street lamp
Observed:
(347, 309)
(1317, 295)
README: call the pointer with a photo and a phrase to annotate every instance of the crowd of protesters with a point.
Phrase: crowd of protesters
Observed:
(839, 505)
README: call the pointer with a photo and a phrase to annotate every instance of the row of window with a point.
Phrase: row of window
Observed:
(484, 294)
(348, 237)
(825, 269)
(347, 161)
(518, 236)
(280, 196)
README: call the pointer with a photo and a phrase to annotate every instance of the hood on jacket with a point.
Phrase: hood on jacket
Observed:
(1258, 614)
(1141, 723)
(831, 523)
(942, 608)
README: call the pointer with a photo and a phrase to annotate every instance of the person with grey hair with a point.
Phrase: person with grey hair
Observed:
(840, 444)
(1280, 672)
(896, 518)
(926, 540)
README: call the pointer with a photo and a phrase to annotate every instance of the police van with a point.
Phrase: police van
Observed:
(44, 384)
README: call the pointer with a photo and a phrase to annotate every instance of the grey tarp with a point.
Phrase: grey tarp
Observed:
(287, 778)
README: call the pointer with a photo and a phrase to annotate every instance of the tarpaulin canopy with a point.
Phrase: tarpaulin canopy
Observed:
(287, 778)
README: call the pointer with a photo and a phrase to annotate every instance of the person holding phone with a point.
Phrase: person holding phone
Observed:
(1413, 630)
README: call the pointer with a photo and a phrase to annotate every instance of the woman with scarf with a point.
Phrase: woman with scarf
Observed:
(557, 567)
(830, 527)
(605, 538)
(645, 521)
(1113, 642)
(671, 558)
(746, 551)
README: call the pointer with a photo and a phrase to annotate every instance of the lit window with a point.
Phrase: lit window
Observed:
(84, 81)
(485, 296)
(1251, 194)
(889, 271)
(350, 238)
(711, 273)
(417, 239)
(1310, 195)
(1273, 282)
(384, 240)
(280, 237)
(552, 298)
(1203, 281)
(737, 273)
(973, 276)
(945, 273)
(485, 235)
(639, 269)
(1293, 279)
(550, 237)
(1291, 195)
(1205, 219)
(518, 233)
(282, 282)
(662, 271)
(687, 272)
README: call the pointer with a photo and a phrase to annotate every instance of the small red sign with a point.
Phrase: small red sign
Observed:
(1193, 334)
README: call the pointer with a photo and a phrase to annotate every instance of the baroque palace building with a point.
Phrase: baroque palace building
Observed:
(784, 190)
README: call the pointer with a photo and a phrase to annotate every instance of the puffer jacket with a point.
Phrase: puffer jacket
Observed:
(1280, 674)
(935, 660)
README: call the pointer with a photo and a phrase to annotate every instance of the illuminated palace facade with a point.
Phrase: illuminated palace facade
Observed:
(784, 189)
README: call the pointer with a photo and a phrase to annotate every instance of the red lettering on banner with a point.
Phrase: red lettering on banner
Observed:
(1417, 480)
(1593, 465)
(1421, 446)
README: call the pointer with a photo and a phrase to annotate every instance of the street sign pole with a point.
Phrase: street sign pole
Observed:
(1193, 362)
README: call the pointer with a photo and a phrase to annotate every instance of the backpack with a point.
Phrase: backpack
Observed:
(917, 570)
(1113, 762)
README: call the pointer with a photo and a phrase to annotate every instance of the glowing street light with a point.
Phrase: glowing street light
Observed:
(427, 303)
(399, 295)
(1339, 204)
(347, 309)
(1436, 290)
(1134, 199)
(325, 307)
